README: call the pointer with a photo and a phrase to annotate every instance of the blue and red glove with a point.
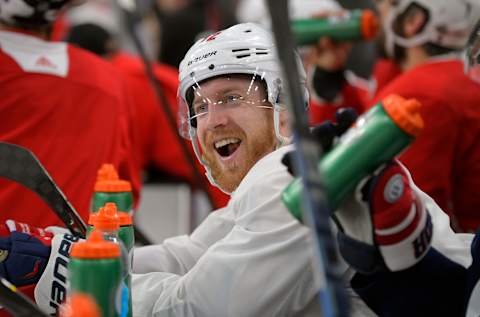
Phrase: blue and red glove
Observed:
(384, 225)
(24, 254)
(35, 261)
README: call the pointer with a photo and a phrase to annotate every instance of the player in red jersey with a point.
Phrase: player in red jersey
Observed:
(64, 104)
(157, 143)
(423, 41)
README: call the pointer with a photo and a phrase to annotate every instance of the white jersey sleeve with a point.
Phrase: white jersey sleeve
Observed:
(179, 254)
(261, 267)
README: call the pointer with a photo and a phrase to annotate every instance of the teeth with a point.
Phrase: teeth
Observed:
(224, 142)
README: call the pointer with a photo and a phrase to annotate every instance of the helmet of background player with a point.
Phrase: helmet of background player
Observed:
(472, 54)
(246, 49)
(448, 25)
(30, 13)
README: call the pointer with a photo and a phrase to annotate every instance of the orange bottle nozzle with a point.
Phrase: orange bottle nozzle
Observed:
(369, 24)
(80, 305)
(109, 181)
(107, 172)
(106, 218)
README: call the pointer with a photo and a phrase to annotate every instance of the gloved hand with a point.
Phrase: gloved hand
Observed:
(24, 253)
(35, 261)
(327, 132)
(384, 225)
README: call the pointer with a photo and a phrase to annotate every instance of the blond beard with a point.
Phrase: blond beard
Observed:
(228, 178)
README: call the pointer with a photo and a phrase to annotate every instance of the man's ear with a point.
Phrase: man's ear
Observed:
(414, 21)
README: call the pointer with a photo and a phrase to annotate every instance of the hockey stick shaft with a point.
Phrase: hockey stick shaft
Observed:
(16, 303)
(128, 7)
(332, 297)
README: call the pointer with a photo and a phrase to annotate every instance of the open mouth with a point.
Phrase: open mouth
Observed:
(227, 147)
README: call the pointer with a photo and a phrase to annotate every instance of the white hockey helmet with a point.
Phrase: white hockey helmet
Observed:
(244, 48)
(30, 13)
(449, 23)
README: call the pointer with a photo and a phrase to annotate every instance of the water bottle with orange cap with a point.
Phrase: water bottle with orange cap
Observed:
(117, 227)
(110, 188)
(348, 26)
(95, 268)
(377, 137)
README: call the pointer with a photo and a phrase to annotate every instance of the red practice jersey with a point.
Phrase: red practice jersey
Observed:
(445, 159)
(70, 109)
(156, 142)
(356, 93)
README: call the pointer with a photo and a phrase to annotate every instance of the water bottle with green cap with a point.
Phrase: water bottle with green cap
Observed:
(377, 137)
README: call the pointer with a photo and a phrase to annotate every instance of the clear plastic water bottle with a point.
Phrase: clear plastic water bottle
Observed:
(107, 221)
(95, 268)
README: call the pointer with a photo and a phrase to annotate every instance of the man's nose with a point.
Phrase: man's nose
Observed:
(216, 117)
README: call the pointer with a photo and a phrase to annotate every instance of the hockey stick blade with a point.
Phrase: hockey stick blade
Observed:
(16, 303)
(20, 165)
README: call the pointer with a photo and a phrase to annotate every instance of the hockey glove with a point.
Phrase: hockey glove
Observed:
(35, 260)
(24, 253)
(384, 224)
(327, 132)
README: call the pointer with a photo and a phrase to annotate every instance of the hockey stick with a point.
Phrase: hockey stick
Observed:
(16, 303)
(20, 165)
(129, 10)
(332, 297)
(472, 53)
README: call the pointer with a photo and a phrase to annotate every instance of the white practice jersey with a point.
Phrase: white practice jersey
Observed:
(250, 258)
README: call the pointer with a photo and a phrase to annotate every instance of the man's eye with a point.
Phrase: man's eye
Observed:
(233, 98)
(201, 108)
